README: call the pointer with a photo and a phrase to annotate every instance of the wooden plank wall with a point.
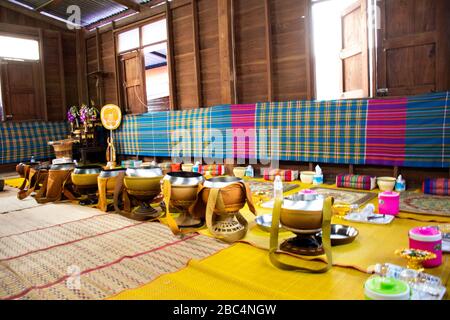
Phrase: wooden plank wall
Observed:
(250, 52)
(184, 58)
(208, 29)
(92, 62)
(59, 69)
(109, 80)
(245, 51)
(264, 41)
(291, 21)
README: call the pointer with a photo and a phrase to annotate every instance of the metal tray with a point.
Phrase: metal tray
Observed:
(264, 222)
(340, 234)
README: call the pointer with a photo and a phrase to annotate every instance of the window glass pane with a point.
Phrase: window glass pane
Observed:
(154, 32)
(327, 47)
(19, 48)
(156, 72)
(128, 40)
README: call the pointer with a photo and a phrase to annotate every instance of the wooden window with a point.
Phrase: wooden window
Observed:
(144, 72)
(128, 40)
(388, 47)
(21, 91)
(133, 84)
(19, 48)
(154, 32)
(413, 53)
(341, 48)
(354, 54)
(20, 79)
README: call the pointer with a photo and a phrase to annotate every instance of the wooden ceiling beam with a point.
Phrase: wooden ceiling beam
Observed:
(32, 14)
(130, 4)
(47, 4)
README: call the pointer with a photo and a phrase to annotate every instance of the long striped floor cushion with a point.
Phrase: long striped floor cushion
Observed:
(440, 186)
(355, 181)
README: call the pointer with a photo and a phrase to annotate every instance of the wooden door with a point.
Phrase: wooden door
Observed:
(413, 55)
(133, 83)
(21, 90)
(355, 54)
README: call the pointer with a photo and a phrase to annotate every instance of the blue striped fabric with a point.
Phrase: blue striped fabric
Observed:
(126, 138)
(427, 138)
(317, 131)
(220, 121)
(187, 128)
(313, 131)
(19, 141)
(158, 133)
(154, 135)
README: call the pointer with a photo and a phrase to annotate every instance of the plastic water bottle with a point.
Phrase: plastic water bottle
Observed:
(249, 172)
(278, 188)
(400, 184)
(277, 202)
(196, 166)
(33, 160)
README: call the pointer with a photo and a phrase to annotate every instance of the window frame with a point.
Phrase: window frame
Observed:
(118, 54)
(27, 35)
(372, 43)
(24, 37)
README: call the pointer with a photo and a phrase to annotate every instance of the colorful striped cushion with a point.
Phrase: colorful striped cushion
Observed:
(440, 186)
(355, 181)
(213, 169)
(286, 175)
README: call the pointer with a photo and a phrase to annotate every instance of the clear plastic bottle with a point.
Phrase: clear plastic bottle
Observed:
(196, 166)
(278, 188)
(277, 202)
(249, 172)
(33, 160)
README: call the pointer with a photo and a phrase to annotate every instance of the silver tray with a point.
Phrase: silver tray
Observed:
(340, 234)
(264, 222)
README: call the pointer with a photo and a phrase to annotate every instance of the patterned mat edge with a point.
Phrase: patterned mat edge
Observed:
(368, 195)
(427, 213)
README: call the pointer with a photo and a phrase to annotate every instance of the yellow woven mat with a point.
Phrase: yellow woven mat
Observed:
(374, 244)
(14, 183)
(244, 272)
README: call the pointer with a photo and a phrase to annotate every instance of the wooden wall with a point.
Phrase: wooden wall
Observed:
(208, 29)
(224, 51)
(58, 65)
(245, 51)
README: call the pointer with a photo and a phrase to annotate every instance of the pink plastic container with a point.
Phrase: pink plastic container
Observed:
(429, 239)
(389, 203)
